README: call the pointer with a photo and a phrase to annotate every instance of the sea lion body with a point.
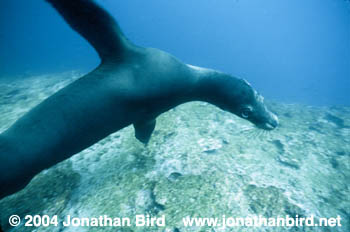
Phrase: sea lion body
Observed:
(132, 85)
(104, 101)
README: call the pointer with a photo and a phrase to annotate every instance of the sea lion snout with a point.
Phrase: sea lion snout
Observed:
(272, 123)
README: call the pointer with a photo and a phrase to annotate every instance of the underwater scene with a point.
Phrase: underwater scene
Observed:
(114, 118)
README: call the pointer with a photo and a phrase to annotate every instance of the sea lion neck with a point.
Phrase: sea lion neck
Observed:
(213, 86)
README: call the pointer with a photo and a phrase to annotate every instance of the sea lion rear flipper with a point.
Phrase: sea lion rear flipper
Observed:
(95, 24)
(144, 129)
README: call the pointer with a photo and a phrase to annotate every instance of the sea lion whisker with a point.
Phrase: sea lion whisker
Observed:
(256, 134)
(246, 130)
(248, 133)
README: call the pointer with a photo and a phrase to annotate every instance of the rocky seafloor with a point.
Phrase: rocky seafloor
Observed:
(200, 162)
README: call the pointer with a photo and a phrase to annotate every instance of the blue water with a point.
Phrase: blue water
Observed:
(291, 51)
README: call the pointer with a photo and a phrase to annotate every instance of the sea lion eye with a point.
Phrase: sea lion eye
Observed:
(246, 112)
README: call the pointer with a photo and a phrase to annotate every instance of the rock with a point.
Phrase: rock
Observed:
(201, 161)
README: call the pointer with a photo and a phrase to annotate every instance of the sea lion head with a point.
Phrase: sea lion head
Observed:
(248, 104)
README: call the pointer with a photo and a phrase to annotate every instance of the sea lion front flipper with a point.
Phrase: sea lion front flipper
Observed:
(95, 24)
(144, 129)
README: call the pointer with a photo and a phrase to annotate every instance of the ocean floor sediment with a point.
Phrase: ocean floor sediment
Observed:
(200, 162)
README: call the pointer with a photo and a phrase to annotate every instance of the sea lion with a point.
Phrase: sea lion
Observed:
(132, 85)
